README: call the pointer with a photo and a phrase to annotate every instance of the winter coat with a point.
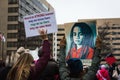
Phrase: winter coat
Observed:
(90, 75)
(4, 73)
(51, 71)
(41, 62)
(64, 72)
(103, 73)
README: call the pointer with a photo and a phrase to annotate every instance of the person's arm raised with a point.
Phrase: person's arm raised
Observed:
(43, 34)
(43, 60)
(64, 73)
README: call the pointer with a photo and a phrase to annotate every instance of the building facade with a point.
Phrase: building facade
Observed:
(57, 37)
(12, 26)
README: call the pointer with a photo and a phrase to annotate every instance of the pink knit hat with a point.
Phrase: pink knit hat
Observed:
(102, 66)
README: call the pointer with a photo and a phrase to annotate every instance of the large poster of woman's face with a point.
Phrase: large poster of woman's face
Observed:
(80, 40)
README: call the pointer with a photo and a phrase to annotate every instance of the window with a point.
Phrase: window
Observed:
(12, 10)
(107, 38)
(60, 29)
(12, 44)
(58, 39)
(27, 3)
(12, 35)
(12, 26)
(12, 1)
(115, 27)
(12, 18)
(101, 28)
(116, 48)
(116, 43)
(116, 38)
(60, 34)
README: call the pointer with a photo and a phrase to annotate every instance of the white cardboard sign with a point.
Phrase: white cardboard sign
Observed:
(45, 20)
(34, 53)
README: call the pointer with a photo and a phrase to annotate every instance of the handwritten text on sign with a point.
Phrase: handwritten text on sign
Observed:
(44, 20)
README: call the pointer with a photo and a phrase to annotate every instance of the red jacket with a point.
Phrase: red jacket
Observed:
(103, 73)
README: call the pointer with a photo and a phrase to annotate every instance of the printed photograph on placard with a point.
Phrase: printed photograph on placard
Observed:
(80, 38)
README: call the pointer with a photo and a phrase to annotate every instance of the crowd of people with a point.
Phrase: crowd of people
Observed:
(21, 65)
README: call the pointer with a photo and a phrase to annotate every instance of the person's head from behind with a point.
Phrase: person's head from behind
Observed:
(23, 64)
(75, 66)
(20, 50)
(81, 34)
(103, 66)
(25, 58)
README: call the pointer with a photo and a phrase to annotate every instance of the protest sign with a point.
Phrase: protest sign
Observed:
(45, 20)
(80, 37)
(34, 53)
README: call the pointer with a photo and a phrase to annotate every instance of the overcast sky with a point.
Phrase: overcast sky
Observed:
(72, 10)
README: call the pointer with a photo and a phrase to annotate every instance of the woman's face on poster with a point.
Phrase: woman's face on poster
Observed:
(77, 35)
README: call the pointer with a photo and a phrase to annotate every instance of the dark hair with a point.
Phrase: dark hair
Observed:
(87, 34)
(75, 65)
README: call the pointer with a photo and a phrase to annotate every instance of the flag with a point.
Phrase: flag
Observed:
(110, 59)
(2, 38)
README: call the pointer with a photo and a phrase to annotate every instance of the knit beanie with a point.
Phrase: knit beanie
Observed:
(75, 65)
(103, 66)
(20, 50)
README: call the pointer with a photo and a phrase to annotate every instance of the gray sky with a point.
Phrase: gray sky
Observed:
(72, 10)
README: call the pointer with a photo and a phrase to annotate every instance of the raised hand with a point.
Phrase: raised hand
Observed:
(43, 33)
(63, 41)
(98, 42)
